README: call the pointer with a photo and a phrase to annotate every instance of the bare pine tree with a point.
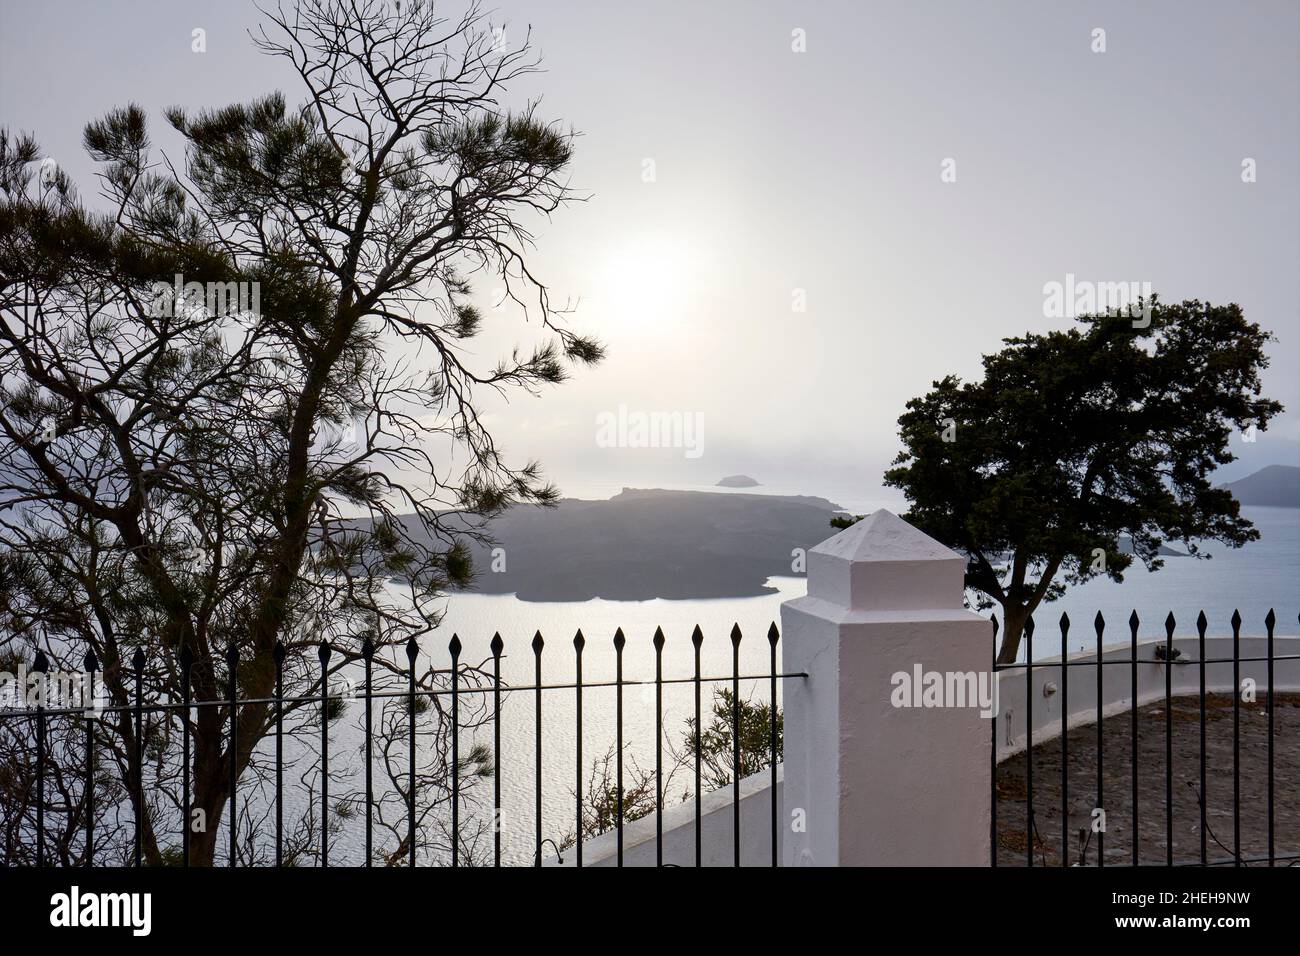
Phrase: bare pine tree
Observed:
(238, 405)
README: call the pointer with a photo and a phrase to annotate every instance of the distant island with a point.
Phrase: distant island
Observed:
(644, 544)
(1276, 486)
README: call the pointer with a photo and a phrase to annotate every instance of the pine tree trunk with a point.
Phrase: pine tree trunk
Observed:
(1013, 625)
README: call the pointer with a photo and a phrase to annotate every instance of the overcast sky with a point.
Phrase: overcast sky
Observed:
(782, 174)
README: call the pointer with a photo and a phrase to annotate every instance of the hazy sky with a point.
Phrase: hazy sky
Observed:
(781, 173)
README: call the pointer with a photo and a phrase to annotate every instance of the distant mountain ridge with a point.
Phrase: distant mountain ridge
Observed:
(647, 543)
(651, 543)
(1276, 486)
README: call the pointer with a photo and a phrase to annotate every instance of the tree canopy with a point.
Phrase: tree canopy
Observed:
(1076, 440)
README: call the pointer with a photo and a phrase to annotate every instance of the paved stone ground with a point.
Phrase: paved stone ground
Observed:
(1117, 787)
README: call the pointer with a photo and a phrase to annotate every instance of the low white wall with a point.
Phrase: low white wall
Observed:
(679, 831)
(1117, 682)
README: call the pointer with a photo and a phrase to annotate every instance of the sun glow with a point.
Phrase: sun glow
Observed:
(648, 279)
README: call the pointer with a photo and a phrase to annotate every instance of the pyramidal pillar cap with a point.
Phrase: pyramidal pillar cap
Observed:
(882, 563)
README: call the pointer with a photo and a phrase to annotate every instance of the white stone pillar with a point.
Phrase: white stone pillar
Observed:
(869, 782)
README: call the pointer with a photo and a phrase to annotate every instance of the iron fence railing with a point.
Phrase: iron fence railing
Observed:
(1033, 837)
(186, 709)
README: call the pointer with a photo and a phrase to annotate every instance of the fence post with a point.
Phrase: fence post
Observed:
(886, 754)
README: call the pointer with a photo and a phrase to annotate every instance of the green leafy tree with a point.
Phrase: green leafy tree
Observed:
(1079, 440)
(717, 753)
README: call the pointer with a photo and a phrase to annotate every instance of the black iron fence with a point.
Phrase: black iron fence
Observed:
(186, 709)
(1139, 777)
(1166, 655)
